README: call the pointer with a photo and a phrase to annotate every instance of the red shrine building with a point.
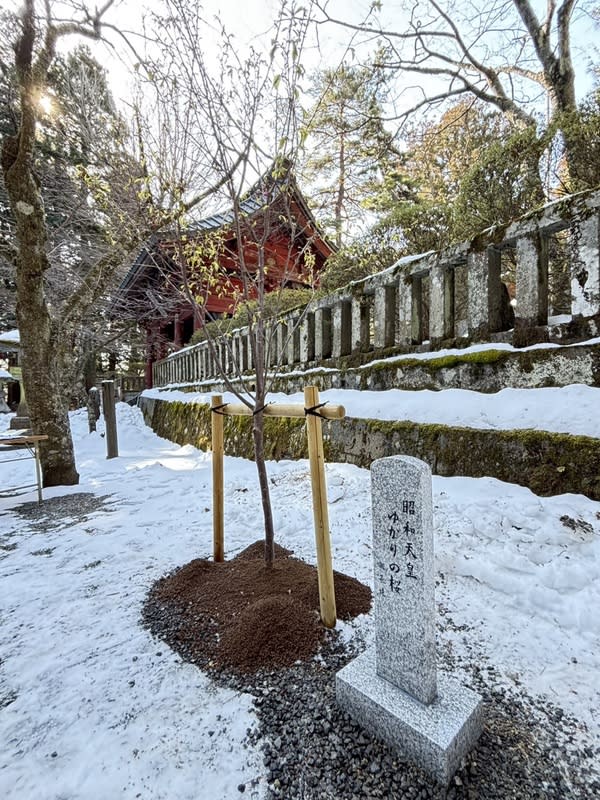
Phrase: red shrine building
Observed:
(179, 280)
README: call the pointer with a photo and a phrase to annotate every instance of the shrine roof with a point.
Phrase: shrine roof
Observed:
(253, 202)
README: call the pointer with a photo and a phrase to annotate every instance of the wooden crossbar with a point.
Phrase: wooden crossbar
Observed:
(282, 410)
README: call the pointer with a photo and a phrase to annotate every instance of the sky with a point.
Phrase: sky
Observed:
(249, 21)
(98, 708)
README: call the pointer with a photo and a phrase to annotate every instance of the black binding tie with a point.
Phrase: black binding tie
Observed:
(313, 410)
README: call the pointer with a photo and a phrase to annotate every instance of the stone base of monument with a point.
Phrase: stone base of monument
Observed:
(435, 737)
(20, 423)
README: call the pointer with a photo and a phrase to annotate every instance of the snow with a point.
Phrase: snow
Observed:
(102, 710)
(10, 337)
(569, 409)
(477, 348)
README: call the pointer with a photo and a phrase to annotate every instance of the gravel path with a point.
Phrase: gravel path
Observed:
(529, 750)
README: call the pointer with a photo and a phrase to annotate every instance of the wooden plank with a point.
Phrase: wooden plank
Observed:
(320, 512)
(217, 475)
(283, 410)
(23, 439)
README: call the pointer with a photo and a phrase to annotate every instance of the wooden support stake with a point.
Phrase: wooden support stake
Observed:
(38, 470)
(321, 515)
(217, 473)
(110, 418)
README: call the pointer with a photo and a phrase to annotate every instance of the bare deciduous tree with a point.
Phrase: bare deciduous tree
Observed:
(121, 207)
(238, 116)
(502, 53)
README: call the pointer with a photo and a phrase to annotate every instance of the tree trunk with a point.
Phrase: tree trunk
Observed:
(47, 402)
(48, 408)
(341, 193)
(258, 421)
(263, 480)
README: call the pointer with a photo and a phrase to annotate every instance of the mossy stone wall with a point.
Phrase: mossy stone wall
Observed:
(483, 371)
(190, 423)
(547, 463)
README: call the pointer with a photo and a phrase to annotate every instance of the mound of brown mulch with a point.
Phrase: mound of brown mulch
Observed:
(243, 615)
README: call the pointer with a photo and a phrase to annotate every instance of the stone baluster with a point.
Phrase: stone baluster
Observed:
(379, 309)
(272, 339)
(341, 328)
(441, 303)
(384, 317)
(484, 292)
(531, 280)
(282, 343)
(319, 354)
(200, 362)
(244, 352)
(307, 338)
(237, 351)
(416, 309)
(336, 324)
(250, 354)
(292, 342)
(226, 356)
(585, 281)
(361, 323)
(404, 332)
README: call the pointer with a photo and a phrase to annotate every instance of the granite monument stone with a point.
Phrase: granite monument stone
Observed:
(394, 691)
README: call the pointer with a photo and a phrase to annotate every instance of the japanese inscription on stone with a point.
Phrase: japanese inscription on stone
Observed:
(401, 546)
(404, 575)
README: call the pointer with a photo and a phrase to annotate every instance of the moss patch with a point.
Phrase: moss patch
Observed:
(547, 463)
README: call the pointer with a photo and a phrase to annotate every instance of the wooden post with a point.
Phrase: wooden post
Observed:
(320, 512)
(110, 418)
(217, 474)
(38, 470)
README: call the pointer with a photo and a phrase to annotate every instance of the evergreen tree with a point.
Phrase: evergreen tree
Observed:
(349, 150)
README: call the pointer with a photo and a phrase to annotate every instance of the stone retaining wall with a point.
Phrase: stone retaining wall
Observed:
(547, 463)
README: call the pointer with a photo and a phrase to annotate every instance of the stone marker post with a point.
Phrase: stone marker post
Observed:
(93, 408)
(110, 419)
(404, 575)
(394, 691)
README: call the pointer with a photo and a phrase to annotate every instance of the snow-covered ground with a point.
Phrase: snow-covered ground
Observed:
(98, 709)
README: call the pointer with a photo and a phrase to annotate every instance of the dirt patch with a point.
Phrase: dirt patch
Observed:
(62, 511)
(241, 615)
